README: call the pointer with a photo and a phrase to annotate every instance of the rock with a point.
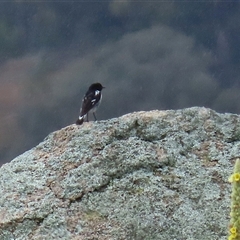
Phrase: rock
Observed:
(146, 175)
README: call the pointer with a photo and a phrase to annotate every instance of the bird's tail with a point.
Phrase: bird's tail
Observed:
(80, 120)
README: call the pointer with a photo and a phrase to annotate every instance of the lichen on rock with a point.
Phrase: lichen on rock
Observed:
(145, 175)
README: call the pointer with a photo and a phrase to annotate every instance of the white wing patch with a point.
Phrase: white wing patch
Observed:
(97, 92)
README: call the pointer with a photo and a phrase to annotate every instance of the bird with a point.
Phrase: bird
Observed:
(90, 102)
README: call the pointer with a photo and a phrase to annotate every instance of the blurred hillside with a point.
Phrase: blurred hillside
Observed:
(148, 55)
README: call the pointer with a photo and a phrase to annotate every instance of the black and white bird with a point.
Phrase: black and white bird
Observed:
(90, 102)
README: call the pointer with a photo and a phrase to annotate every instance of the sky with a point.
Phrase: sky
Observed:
(149, 55)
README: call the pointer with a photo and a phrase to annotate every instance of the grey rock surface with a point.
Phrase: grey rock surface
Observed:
(145, 175)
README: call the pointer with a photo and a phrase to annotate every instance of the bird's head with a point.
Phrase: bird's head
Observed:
(96, 86)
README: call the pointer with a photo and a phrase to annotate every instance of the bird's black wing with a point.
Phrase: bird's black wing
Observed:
(90, 100)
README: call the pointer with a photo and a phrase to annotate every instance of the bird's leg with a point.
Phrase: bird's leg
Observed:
(87, 117)
(94, 116)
